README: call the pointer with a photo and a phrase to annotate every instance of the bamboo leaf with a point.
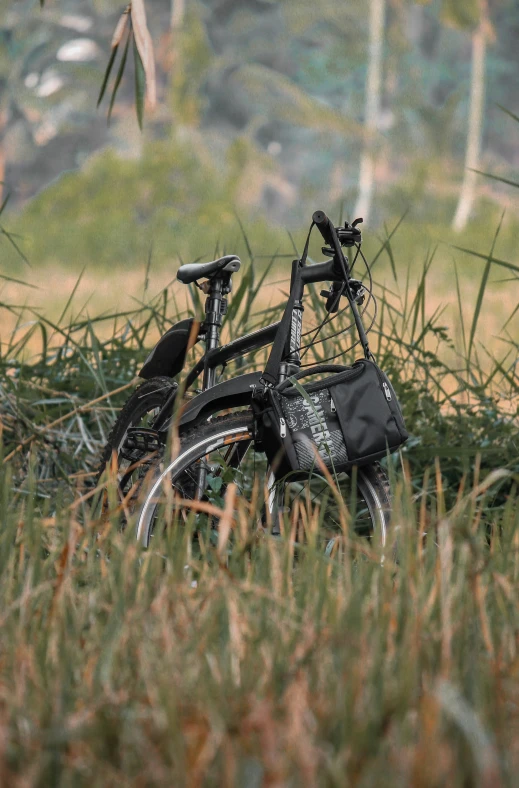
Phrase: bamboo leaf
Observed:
(107, 75)
(121, 26)
(144, 46)
(140, 84)
(119, 75)
(116, 40)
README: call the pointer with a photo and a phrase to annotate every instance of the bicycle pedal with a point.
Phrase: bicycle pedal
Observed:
(142, 439)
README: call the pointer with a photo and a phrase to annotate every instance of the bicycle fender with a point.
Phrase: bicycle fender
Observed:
(234, 393)
(168, 356)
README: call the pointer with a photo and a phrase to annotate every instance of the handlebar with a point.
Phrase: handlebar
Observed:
(326, 228)
(329, 233)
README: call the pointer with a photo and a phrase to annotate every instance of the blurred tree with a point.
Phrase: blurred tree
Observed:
(274, 93)
(178, 8)
(45, 69)
(373, 95)
(471, 14)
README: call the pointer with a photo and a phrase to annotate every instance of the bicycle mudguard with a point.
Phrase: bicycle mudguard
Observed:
(234, 393)
(168, 356)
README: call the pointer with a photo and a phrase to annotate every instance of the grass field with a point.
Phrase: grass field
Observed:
(243, 666)
(243, 669)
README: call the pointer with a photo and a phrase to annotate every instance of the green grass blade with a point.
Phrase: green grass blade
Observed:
(460, 307)
(391, 234)
(507, 112)
(495, 260)
(482, 288)
(71, 296)
(497, 178)
(13, 243)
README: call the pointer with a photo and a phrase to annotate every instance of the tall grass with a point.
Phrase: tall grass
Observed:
(243, 668)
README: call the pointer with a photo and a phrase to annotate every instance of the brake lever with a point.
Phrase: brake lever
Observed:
(358, 291)
(332, 302)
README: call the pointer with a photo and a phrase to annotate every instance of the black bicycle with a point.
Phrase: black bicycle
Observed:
(217, 430)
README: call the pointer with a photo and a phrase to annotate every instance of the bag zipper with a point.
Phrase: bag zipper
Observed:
(394, 409)
(339, 377)
(282, 428)
(332, 405)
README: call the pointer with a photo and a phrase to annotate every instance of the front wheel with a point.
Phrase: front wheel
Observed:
(223, 451)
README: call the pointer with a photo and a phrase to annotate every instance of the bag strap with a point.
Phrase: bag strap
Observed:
(271, 373)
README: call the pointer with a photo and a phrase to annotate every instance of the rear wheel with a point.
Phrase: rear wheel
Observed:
(223, 450)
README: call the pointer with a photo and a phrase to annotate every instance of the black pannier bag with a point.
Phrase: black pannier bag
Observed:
(351, 417)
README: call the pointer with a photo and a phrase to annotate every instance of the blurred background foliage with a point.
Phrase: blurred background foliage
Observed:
(262, 112)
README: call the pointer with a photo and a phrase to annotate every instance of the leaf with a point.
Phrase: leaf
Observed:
(140, 84)
(507, 112)
(107, 74)
(497, 178)
(119, 76)
(121, 26)
(144, 46)
(215, 483)
(116, 40)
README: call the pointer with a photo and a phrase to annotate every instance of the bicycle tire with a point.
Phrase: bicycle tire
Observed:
(228, 430)
(143, 402)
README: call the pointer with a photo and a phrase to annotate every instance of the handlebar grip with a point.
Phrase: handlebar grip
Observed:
(325, 227)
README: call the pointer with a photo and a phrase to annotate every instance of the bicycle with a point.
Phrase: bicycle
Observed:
(213, 448)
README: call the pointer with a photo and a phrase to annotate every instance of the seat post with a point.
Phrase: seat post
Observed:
(215, 308)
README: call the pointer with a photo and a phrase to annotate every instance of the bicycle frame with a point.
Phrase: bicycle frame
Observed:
(239, 390)
(215, 355)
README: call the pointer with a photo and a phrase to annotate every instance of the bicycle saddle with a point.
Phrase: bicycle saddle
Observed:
(193, 271)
